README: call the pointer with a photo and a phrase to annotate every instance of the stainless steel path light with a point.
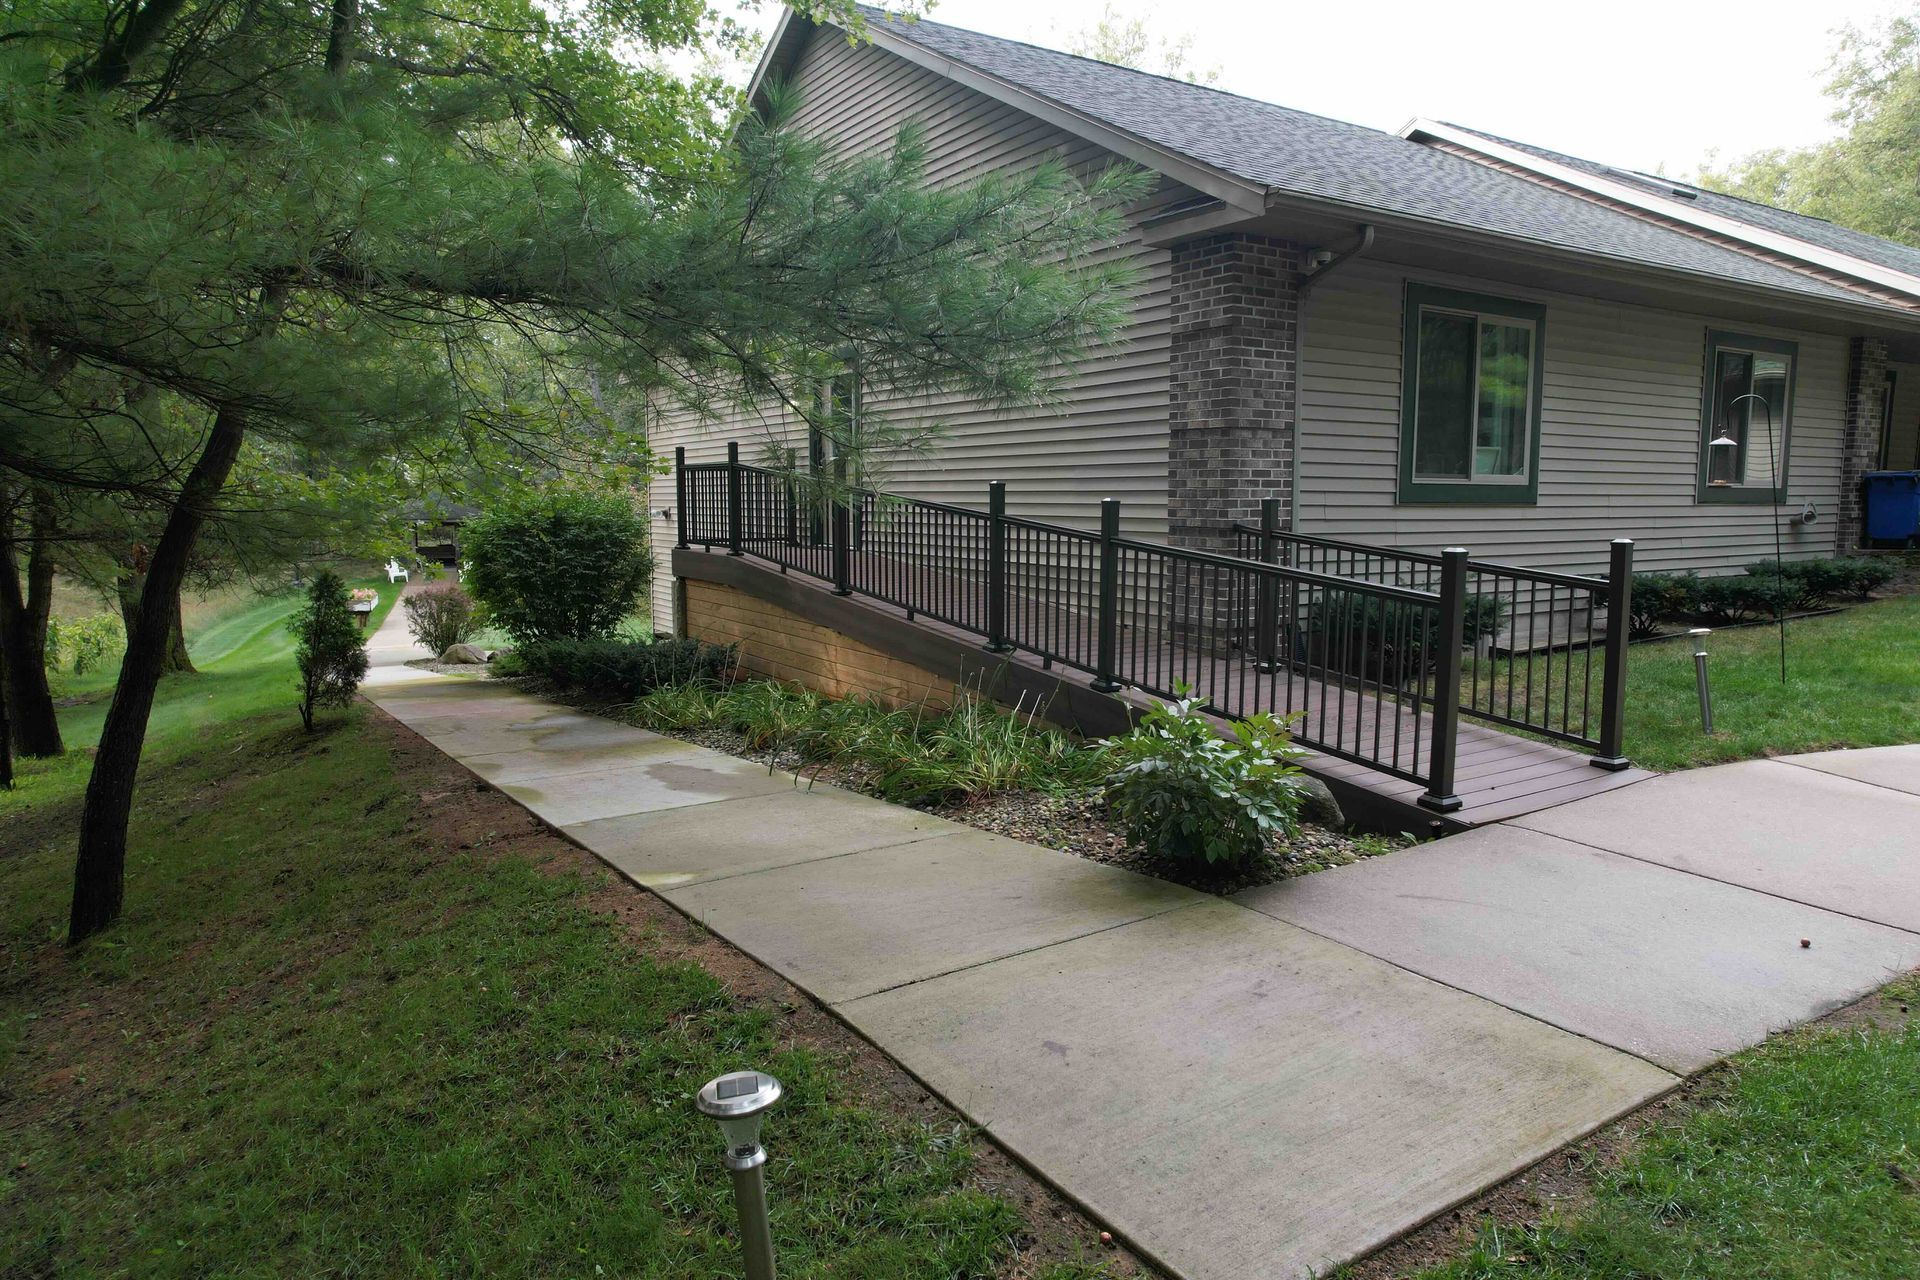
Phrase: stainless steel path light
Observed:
(739, 1100)
(1700, 635)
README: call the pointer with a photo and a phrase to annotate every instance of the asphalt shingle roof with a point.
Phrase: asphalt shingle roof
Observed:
(1828, 235)
(1298, 153)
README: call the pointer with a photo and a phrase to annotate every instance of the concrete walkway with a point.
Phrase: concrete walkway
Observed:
(1282, 1081)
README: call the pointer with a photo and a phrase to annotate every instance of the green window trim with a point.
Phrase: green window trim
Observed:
(1744, 493)
(1423, 299)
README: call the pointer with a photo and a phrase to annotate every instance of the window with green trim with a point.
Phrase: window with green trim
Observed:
(1470, 404)
(1746, 412)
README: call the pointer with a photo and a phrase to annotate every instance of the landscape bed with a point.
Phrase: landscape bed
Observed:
(1058, 801)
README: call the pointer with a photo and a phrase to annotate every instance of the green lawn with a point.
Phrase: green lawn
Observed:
(328, 1041)
(1853, 680)
(245, 657)
(1803, 1164)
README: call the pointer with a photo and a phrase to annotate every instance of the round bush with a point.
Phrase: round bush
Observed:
(559, 564)
(440, 615)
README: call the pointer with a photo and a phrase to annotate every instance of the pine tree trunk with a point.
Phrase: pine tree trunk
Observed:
(6, 733)
(177, 658)
(23, 630)
(100, 870)
(128, 588)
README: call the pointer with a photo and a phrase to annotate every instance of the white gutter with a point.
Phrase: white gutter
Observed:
(1671, 209)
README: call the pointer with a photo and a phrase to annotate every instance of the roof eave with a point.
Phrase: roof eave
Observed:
(1672, 210)
(777, 54)
(1613, 265)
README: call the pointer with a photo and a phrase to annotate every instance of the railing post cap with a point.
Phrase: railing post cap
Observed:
(1622, 542)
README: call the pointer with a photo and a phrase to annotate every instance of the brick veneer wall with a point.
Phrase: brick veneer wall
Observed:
(1866, 404)
(1232, 381)
(775, 642)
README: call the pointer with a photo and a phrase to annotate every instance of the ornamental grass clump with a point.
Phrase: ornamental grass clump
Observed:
(1182, 791)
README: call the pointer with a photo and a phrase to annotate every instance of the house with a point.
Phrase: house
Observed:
(1348, 351)
(1317, 296)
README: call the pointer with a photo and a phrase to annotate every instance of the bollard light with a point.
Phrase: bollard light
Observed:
(740, 1100)
(1700, 635)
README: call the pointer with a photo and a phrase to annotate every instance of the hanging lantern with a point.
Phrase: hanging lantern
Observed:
(1723, 460)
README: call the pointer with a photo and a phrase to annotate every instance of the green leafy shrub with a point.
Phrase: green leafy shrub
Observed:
(622, 670)
(331, 651)
(1391, 640)
(558, 563)
(1805, 584)
(1182, 790)
(1861, 576)
(440, 615)
(1660, 597)
(1738, 598)
(85, 643)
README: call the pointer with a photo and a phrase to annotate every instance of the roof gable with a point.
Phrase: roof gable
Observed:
(1249, 152)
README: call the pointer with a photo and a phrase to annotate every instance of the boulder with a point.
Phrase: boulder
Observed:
(466, 654)
(1319, 806)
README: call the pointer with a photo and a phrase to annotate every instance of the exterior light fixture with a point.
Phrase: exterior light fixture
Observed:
(739, 1101)
(1720, 462)
(1699, 636)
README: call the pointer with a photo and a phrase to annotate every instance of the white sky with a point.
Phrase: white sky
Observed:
(1637, 83)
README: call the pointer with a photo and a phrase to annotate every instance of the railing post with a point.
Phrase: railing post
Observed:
(682, 493)
(1109, 618)
(1613, 700)
(1446, 683)
(841, 532)
(1266, 596)
(736, 485)
(997, 641)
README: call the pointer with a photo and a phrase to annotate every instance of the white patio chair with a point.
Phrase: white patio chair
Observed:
(396, 572)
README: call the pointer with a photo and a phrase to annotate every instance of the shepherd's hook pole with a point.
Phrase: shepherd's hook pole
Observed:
(1779, 563)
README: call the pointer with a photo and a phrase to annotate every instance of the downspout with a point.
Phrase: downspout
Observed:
(1310, 278)
(1307, 280)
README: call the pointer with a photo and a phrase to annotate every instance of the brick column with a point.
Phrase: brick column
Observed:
(1234, 308)
(1866, 401)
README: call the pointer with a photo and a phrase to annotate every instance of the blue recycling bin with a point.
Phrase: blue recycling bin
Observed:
(1893, 506)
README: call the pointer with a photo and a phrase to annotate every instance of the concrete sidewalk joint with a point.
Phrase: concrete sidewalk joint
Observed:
(1282, 1081)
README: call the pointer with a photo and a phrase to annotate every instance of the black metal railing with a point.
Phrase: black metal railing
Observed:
(1365, 654)
(1545, 651)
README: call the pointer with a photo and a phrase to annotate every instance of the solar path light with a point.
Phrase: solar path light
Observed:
(740, 1100)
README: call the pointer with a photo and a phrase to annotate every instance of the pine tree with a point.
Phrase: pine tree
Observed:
(331, 651)
(348, 239)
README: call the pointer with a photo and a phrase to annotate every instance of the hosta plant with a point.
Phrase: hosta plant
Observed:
(1183, 791)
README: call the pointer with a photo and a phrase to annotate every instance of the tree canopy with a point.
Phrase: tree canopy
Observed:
(260, 257)
(1868, 177)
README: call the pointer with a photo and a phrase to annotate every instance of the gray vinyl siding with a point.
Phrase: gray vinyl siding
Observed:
(1621, 423)
(1903, 428)
(1107, 437)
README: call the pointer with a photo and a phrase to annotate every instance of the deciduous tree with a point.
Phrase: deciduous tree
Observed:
(1868, 178)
